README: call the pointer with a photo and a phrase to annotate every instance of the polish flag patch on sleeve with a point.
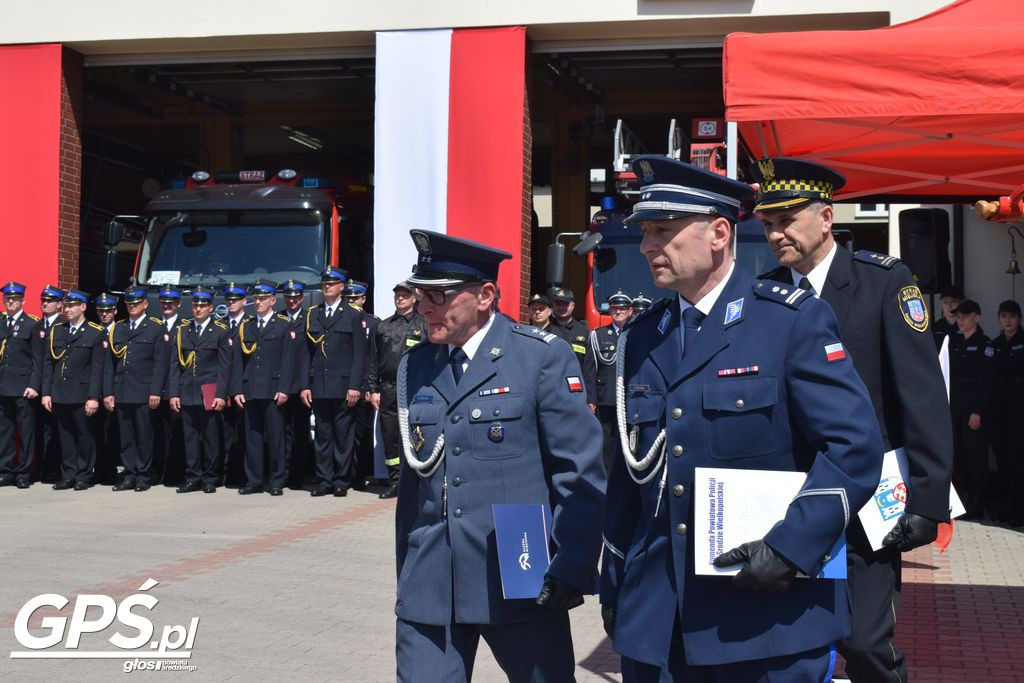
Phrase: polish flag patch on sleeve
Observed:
(574, 383)
(834, 352)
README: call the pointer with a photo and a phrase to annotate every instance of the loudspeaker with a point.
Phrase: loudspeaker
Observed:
(924, 247)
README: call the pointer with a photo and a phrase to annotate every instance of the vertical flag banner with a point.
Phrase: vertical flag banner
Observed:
(448, 147)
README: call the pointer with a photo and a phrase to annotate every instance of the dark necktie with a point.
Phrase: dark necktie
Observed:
(260, 324)
(458, 357)
(692, 319)
(806, 284)
(329, 311)
(234, 324)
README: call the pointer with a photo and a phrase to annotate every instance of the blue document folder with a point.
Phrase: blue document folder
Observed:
(522, 533)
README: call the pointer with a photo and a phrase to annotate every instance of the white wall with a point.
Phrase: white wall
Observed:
(986, 255)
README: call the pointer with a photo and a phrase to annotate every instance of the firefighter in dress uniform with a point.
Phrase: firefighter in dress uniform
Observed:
(297, 441)
(21, 375)
(49, 460)
(234, 422)
(108, 442)
(491, 411)
(362, 450)
(732, 373)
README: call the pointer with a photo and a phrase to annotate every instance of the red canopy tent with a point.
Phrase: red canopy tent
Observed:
(930, 109)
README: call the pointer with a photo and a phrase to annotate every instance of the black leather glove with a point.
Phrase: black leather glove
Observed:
(608, 617)
(557, 595)
(911, 531)
(764, 569)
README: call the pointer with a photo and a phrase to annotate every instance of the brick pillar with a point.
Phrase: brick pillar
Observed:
(527, 218)
(70, 182)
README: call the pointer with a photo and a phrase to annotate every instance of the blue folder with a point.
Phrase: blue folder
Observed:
(522, 533)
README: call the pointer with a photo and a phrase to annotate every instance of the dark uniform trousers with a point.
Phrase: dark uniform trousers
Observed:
(107, 435)
(602, 347)
(779, 416)
(199, 359)
(534, 442)
(970, 390)
(297, 443)
(73, 374)
(1006, 428)
(394, 336)
(264, 364)
(337, 349)
(20, 368)
(136, 368)
(234, 433)
(869, 294)
(363, 412)
(48, 451)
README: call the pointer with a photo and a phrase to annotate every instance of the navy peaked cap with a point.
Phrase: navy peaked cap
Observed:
(673, 189)
(445, 261)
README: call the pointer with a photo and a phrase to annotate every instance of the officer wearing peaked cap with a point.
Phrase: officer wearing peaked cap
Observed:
(108, 442)
(199, 382)
(734, 373)
(135, 376)
(601, 348)
(47, 439)
(297, 441)
(883, 323)
(491, 412)
(169, 441)
(234, 423)
(362, 450)
(640, 304)
(337, 348)
(21, 359)
(73, 387)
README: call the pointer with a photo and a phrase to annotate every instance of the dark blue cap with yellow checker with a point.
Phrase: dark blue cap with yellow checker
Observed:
(76, 296)
(201, 293)
(51, 292)
(235, 291)
(264, 288)
(105, 301)
(355, 288)
(14, 288)
(333, 274)
(134, 295)
(445, 261)
(784, 183)
(291, 288)
(169, 294)
(673, 189)
(620, 298)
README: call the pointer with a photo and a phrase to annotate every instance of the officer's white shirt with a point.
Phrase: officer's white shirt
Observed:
(74, 328)
(50, 320)
(473, 343)
(331, 310)
(705, 305)
(169, 322)
(818, 274)
(267, 317)
(14, 320)
(237, 320)
(202, 326)
(134, 322)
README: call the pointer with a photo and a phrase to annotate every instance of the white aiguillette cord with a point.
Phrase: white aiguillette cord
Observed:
(657, 449)
(424, 468)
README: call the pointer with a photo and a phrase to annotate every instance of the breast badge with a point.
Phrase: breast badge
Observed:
(417, 438)
(496, 432)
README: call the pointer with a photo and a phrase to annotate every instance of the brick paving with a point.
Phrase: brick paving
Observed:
(297, 588)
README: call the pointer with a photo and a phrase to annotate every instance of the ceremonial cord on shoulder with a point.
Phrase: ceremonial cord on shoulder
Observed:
(319, 341)
(241, 340)
(53, 353)
(110, 338)
(184, 362)
(657, 449)
(424, 468)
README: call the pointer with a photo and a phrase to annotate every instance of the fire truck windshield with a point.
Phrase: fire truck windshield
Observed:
(214, 247)
(621, 265)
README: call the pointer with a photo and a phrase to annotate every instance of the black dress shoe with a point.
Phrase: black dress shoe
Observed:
(389, 492)
(189, 487)
(24, 483)
(209, 488)
(276, 491)
(142, 486)
(81, 486)
(249, 490)
(6, 480)
(340, 491)
(64, 484)
(359, 484)
(126, 485)
(322, 490)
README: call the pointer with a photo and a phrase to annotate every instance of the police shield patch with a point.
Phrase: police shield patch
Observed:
(913, 308)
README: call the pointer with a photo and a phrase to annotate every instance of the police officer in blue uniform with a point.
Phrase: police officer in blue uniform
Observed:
(263, 372)
(337, 348)
(602, 346)
(883, 323)
(736, 373)
(135, 378)
(199, 382)
(72, 388)
(491, 412)
(21, 375)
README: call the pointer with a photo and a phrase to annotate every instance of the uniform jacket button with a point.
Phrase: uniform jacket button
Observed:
(677, 450)
(456, 418)
(475, 414)
(457, 450)
(681, 529)
(457, 481)
(678, 490)
(458, 512)
(739, 403)
(677, 413)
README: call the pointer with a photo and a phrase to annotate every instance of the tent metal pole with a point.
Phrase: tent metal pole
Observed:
(732, 141)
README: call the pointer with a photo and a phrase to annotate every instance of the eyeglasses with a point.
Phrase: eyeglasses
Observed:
(438, 297)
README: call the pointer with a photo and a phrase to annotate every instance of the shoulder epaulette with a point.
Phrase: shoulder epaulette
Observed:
(781, 293)
(284, 318)
(656, 308)
(220, 324)
(874, 258)
(32, 316)
(534, 333)
(95, 326)
(182, 322)
(156, 320)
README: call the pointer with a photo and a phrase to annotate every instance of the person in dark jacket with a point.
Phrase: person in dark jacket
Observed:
(602, 346)
(297, 441)
(971, 379)
(199, 383)
(1006, 426)
(21, 375)
(362, 449)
